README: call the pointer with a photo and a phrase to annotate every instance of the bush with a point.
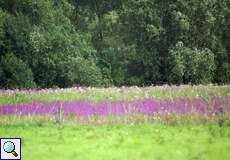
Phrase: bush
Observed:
(45, 70)
(14, 73)
(114, 62)
(191, 65)
(136, 81)
(86, 73)
(64, 72)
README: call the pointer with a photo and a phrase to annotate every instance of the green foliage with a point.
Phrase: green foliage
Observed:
(86, 73)
(14, 73)
(2, 36)
(191, 65)
(137, 81)
(57, 47)
(17, 30)
(223, 67)
(114, 60)
(125, 42)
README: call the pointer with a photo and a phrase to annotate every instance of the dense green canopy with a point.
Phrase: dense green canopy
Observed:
(61, 43)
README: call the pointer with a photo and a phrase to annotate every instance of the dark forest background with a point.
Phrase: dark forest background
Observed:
(61, 43)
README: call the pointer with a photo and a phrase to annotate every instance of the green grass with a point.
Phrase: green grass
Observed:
(42, 141)
(114, 94)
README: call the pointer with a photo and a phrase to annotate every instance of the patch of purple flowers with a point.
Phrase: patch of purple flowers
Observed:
(105, 108)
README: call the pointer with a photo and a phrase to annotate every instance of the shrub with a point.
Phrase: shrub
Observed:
(137, 81)
(191, 65)
(65, 72)
(14, 73)
(86, 73)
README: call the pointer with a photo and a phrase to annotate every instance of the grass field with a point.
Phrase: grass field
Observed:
(112, 94)
(155, 126)
(121, 142)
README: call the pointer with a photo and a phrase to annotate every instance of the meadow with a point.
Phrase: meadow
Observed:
(133, 123)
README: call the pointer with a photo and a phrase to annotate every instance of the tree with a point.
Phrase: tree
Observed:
(191, 65)
(115, 42)
(142, 27)
(14, 73)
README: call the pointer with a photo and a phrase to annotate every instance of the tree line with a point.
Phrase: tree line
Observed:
(61, 43)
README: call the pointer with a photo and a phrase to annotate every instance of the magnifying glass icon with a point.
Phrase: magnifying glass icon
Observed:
(9, 147)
